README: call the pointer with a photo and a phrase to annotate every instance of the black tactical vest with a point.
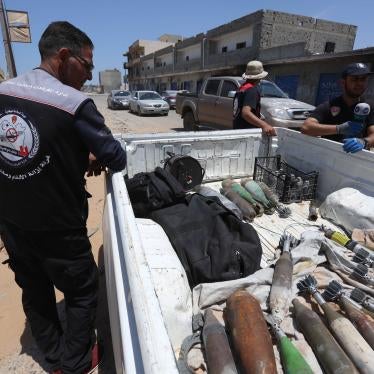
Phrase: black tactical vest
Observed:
(42, 158)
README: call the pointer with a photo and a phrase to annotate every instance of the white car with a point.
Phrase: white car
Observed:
(148, 102)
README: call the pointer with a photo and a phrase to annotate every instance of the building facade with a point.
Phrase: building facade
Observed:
(110, 80)
(225, 50)
(315, 79)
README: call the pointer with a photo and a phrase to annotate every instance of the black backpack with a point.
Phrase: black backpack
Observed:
(154, 190)
(211, 242)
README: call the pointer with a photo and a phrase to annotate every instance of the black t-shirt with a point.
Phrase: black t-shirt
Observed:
(246, 97)
(336, 111)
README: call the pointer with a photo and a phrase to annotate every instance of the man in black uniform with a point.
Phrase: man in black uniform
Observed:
(247, 105)
(48, 130)
(336, 118)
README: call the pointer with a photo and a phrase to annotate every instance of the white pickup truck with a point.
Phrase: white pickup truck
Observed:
(150, 302)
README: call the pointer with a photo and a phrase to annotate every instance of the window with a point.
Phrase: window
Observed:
(187, 58)
(241, 45)
(227, 86)
(329, 47)
(224, 49)
(212, 87)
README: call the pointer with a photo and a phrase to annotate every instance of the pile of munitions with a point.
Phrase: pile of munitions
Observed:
(340, 331)
(248, 199)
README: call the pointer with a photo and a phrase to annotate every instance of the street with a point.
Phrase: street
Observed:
(121, 121)
(18, 352)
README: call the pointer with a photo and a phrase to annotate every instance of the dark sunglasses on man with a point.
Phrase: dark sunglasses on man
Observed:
(87, 65)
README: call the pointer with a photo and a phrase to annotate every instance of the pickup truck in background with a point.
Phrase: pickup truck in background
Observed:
(212, 106)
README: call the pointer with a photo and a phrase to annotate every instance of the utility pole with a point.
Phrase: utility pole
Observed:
(7, 46)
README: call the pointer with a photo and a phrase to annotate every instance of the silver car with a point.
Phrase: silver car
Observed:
(148, 102)
(118, 99)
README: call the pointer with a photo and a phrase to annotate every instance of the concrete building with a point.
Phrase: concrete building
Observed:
(110, 80)
(145, 48)
(315, 79)
(225, 50)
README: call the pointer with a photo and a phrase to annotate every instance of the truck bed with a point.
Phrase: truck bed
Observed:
(150, 304)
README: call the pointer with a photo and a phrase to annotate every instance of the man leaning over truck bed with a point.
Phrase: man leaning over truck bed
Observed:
(337, 119)
(48, 129)
(247, 101)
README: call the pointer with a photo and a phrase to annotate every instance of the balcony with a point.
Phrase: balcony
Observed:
(167, 69)
(191, 65)
(231, 58)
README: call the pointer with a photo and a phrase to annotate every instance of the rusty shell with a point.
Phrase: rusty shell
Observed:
(249, 334)
(216, 345)
(245, 207)
(363, 323)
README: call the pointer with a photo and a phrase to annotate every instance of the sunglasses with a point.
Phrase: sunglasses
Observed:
(87, 65)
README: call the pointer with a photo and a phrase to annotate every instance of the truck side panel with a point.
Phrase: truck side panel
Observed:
(337, 169)
(223, 154)
(133, 306)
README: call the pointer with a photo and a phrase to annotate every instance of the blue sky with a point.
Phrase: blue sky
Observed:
(113, 25)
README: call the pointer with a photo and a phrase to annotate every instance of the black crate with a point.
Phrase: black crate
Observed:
(290, 184)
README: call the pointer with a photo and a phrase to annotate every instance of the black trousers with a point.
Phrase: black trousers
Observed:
(61, 259)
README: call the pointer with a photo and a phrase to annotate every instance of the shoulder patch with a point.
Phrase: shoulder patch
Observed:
(19, 139)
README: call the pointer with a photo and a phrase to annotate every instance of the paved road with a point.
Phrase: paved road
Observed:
(121, 121)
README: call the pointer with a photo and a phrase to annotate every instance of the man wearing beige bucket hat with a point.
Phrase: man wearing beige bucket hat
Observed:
(247, 106)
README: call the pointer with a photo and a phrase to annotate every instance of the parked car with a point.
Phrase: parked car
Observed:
(212, 106)
(118, 99)
(148, 102)
(170, 97)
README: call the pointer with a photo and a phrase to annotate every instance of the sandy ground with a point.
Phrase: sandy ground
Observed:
(18, 352)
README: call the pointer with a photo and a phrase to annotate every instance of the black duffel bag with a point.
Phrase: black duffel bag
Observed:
(211, 242)
(153, 190)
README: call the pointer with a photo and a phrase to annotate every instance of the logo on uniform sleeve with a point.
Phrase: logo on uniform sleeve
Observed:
(19, 140)
(335, 110)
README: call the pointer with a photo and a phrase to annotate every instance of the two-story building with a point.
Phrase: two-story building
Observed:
(225, 50)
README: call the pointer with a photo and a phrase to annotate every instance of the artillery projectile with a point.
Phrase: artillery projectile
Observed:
(363, 323)
(283, 211)
(217, 349)
(228, 184)
(247, 210)
(328, 352)
(354, 311)
(256, 192)
(313, 213)
(292, 360)
(249, 333)
(349, 338)
(360, 297)
(281, 287)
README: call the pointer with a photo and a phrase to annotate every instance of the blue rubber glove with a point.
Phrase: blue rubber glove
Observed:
(353, 145)
(350, 128)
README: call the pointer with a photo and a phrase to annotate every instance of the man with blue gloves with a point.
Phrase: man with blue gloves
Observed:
(348, 118)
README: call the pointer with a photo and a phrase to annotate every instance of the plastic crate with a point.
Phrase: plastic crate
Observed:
(290, 184)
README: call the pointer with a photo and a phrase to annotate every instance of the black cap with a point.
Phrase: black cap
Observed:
(357, 68)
